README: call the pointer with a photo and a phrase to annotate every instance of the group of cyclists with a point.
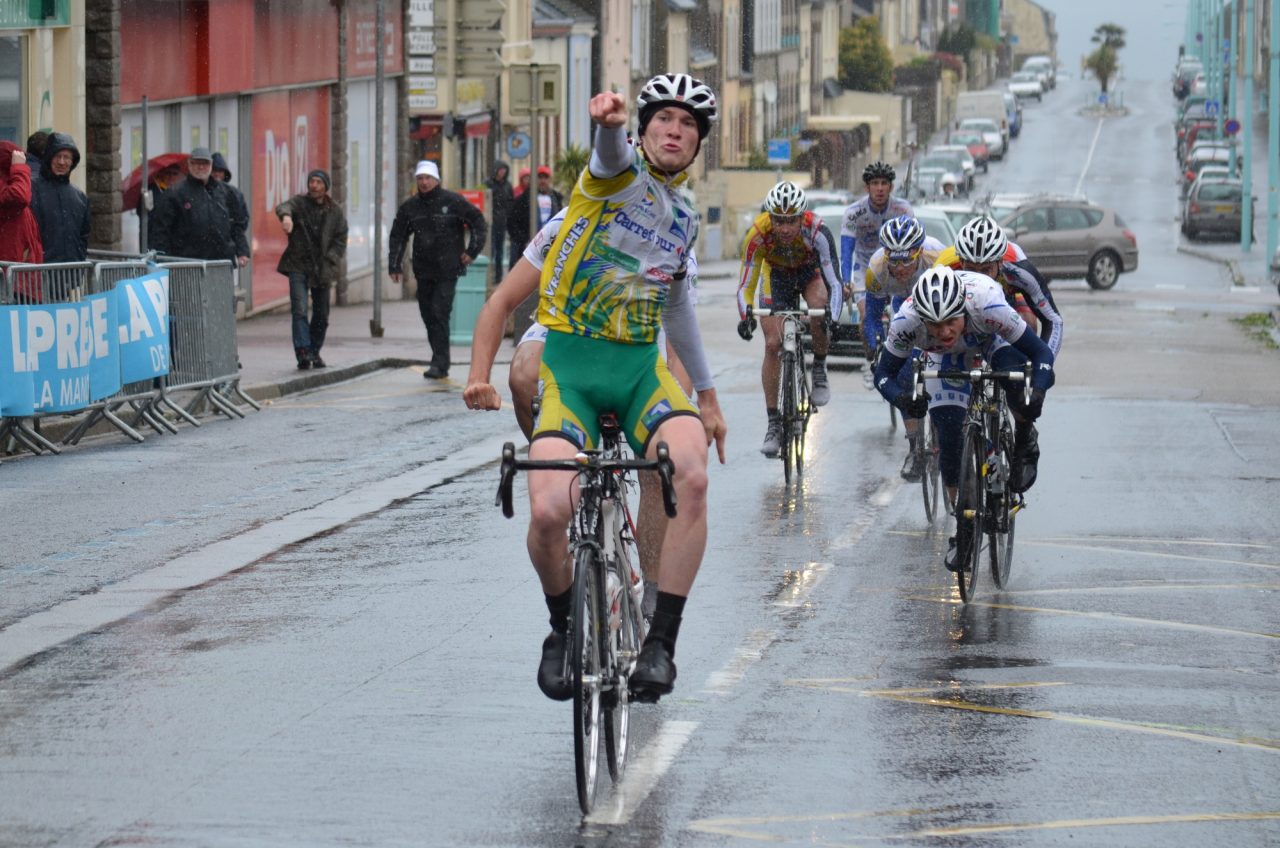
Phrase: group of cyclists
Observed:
(616, 333)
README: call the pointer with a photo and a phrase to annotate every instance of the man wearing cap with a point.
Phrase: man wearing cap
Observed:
(436, 218)
(549, 203)
(317, 231)
(194, 218)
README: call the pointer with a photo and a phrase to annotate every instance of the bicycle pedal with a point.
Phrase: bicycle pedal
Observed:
(645, 695)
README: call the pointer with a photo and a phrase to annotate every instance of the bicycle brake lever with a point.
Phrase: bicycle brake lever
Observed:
(666, 470)
(508, 474)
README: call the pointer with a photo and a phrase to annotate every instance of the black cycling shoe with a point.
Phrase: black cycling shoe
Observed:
(913, 465)
(552, 679)
(1026, 458)
(654, 674)
(957, 560)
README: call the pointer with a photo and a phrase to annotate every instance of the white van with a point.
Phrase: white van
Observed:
(1042, 65)
(984, 104)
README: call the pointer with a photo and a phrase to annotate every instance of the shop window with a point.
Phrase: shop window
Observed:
(11, 88)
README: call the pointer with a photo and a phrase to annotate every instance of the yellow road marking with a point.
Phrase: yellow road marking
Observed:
(738, 827)
(1105, 616)
(1157, 554)
(1143, 587)
(1199, 543)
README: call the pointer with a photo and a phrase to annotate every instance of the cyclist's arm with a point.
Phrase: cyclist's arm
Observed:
(825, 246)
(1041, 358)
(610, 154)
(887, 367)
(681, 323)
(519, 283)
(1035, 290)
(752, 264)
(847, 243)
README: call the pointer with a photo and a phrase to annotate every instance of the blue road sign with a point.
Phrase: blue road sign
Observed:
(1231, 127)
(779, 151)
(519, 145)
(1212, 107)
(1102, 98)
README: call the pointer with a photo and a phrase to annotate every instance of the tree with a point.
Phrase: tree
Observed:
(958, 40)
(865, 61)
(568, 167)
(1106, 59)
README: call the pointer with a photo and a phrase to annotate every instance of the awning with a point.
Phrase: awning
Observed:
(478, 126)
(829, 123)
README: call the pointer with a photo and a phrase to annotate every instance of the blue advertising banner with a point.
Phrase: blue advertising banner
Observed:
(58, 357)
(143, 308)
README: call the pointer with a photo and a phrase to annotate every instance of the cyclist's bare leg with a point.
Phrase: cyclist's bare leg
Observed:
(523, 382)
(651, 517)
(686, 539)
(815, 297)
(550, 509)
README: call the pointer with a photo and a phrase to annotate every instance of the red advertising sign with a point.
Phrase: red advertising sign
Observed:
(290, 139)
(475, 198)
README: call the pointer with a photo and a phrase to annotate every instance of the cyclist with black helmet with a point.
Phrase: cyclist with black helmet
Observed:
(788, 253)
(860, 230)
(905, 253)
(957, 317)
(627, 234)
(982, 246)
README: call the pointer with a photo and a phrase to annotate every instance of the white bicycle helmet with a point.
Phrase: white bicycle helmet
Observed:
(786, 198)
(949, 179)
(981, 241)
(938, 295)
(680, 89)
(901, 235)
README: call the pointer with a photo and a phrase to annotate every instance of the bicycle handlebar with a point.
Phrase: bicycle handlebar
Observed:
(585, 461)
(972, 375)
(765, 312)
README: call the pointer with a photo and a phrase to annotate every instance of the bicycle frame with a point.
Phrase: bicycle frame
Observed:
(793, 386)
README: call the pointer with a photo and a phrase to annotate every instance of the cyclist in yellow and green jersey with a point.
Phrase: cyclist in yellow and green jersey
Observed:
(626, 238)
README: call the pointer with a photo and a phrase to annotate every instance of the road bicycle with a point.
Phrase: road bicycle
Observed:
(606, 622)
(986, 506)
(793, 387)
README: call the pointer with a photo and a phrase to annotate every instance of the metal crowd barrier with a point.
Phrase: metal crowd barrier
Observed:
(202, 338)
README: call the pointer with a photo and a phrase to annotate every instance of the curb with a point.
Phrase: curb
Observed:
(327, 377)
(1233, 266)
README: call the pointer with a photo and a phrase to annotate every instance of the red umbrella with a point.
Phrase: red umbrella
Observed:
(132, 185)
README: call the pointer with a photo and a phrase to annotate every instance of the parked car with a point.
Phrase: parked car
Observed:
(823, 196)
(926, 181)
(1043, 66)
(936, 223)
(1199, 131)
(1212, 171)
(1013, 108)
(968, 162)
(976, 145)
(1074, 238)
(1275, 270)
(944, 161)
(990, 131)
(1202, 156)
(1026, 84)
(958, 213)
(1213, 206)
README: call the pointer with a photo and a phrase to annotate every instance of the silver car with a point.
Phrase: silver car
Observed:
(1213, 206)
(1074, 238)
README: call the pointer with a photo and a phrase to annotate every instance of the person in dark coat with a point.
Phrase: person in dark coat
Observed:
(193, 219)
(240, 209)
(549, 202)
(317, 230)
(61, 209)
(35, 151)
(437, 219)
(501, 195)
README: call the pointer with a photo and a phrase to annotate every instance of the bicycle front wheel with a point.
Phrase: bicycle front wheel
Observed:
(787, 409)
(969, 510)
(1003, 513)
(624, 644)
(588, 628)
(931, 478)
(801, 423)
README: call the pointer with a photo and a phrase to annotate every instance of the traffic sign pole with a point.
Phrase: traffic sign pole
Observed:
(1246, 114)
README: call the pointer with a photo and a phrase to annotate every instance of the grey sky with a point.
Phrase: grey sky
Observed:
(1153, 30)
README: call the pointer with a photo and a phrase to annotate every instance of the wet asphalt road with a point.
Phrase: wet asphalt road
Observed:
(354, 665)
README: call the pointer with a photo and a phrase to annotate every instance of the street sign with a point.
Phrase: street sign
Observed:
(1212, 107)
(422, 65)
(534, 89)
(1231, 127)
(779, 151)
(519, 145)
(480, 13)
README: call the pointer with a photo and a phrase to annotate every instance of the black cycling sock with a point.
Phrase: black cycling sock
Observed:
(820, 360)
(559, 605)
(666, 620)
(772, 413)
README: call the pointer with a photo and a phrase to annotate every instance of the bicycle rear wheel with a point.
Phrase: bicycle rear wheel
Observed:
(930, 479)
(787, 409)
(624, 648)
(587, 626)
(969, 510)
(1003, 513)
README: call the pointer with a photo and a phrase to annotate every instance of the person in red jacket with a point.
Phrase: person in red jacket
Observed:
(19, 232)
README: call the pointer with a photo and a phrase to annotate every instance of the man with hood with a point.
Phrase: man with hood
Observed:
(239, 210)
(193, 219)
(317, 231)
(61, 209)
(500, 191)
(439, 221)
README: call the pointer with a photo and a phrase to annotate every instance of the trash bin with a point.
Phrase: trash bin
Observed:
(468, 299)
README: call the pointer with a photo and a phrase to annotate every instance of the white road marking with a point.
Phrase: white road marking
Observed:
(644, 772)
(748, 653)
(1089, 159)
(883, 496)
(45, 630)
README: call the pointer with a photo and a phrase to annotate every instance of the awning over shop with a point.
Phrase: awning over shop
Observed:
(478, 125)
